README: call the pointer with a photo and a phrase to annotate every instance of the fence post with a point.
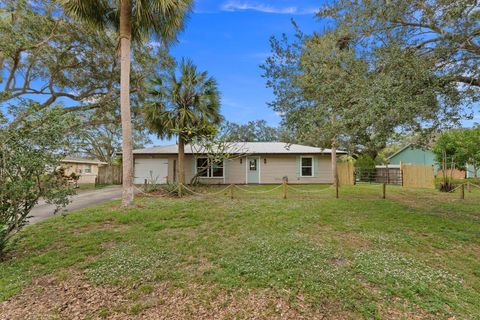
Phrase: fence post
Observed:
(336, 187)
(180, 190)
(462, 192)
(145, 185)
(401, 171)
(284, 189)
(231, 191)
(384, 190)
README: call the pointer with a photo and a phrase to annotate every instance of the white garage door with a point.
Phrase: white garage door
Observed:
(156, 169)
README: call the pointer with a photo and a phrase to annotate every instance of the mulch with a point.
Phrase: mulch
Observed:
(75, 298)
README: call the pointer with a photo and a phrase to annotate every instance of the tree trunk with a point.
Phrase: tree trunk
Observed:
(334, 162)
(127, 152)
(1, 66)
(181, 160)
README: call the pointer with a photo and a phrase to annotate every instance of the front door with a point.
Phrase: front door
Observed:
(253, 170)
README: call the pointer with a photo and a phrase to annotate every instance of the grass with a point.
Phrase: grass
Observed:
(415, 253)
(91, 186)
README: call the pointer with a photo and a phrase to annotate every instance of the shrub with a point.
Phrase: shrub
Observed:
(171, 188)
(29, 154)
(365, 168)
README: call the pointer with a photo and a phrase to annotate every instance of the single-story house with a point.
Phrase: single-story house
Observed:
(250, 163)
(86, 169)
(412, 154)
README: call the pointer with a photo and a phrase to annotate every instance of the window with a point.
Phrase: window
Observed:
(253, 165)
(209, 169)
(217, 169)
(87, 168)
(307, 166)
(202, 167)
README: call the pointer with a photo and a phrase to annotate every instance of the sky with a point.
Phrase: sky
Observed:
(230, 40)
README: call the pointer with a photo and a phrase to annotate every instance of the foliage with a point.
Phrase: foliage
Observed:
(150, 18)
(360, 256)
(103, 141)
(365, 162)
(365, 168)
(51, 60)
(329, 90)
(253, 131)
(187, 106)
(29, 155)
(171, 187)
(152, 183)
(443, 32)
(459, 147)
(137, 21)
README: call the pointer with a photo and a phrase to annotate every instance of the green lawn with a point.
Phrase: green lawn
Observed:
(414, 255)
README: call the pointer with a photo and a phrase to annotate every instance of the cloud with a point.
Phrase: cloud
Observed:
(235, 5)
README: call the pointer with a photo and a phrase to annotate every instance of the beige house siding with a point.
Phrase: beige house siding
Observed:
(236, 171)
(272, 169)
(79, 168)
(279, 166)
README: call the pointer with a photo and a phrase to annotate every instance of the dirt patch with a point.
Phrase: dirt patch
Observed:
(154, 194)
(74, 298)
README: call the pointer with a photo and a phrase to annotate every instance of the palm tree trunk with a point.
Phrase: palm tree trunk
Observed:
(127, 152)
(334, 162)
(181, 160)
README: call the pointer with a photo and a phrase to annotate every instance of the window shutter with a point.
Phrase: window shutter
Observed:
(299, 166)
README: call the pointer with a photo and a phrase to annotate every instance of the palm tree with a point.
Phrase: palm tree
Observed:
(136, 20)
(186, 106)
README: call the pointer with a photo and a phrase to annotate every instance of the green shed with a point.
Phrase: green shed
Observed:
(412, 154)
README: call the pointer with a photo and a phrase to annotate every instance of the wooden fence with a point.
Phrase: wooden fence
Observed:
(346, 173)
(109, 175)
(417, 176)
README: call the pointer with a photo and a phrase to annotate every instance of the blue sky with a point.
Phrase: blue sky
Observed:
(230, 39)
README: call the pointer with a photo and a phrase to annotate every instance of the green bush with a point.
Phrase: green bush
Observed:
(365, 168)
(29, 154)
(171, 188)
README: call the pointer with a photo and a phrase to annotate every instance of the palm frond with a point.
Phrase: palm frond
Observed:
(94, 12)
(189, 100)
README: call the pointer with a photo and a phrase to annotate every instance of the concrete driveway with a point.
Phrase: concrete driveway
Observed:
(81, 200)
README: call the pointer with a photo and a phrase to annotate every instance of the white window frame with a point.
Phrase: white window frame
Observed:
(302, 166)
(209, 169)
(87, 168)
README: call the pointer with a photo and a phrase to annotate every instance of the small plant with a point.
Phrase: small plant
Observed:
(151, 185)
(171, 188)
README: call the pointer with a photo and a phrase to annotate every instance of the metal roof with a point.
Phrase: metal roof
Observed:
(80, 160)
(244, 148)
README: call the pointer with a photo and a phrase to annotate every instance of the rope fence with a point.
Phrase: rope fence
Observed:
(288, 190)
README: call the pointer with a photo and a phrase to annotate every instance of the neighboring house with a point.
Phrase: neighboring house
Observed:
(471, 172)
(87, 169)
(412, 154)
(251, 163)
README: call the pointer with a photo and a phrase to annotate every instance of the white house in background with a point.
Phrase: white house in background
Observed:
(87, 169)
(252, 163)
